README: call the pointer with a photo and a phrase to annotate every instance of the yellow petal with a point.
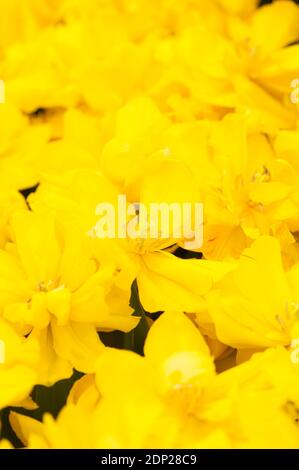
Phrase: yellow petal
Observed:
(77, 343)
(37, 245)
(166, 282)
(283, 33)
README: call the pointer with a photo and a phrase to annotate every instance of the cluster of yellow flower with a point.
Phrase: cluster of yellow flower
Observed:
(164, 101)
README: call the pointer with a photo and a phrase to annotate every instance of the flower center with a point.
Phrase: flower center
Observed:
(262, 176)
(45, 286)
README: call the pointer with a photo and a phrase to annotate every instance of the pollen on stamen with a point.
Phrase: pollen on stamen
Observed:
(263, 176)
(45, 286)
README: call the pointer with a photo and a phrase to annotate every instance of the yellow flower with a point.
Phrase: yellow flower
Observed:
(111, 107)
(10, 201)
(254, 307)
(51, 287)
(157, 389)
(164, 281)
(265, 397)
(139, 127)
(18, 367)
(247, 189)
(245, 69)
(21, 145)
(172, 398)
(37, 72)
(22, 21)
